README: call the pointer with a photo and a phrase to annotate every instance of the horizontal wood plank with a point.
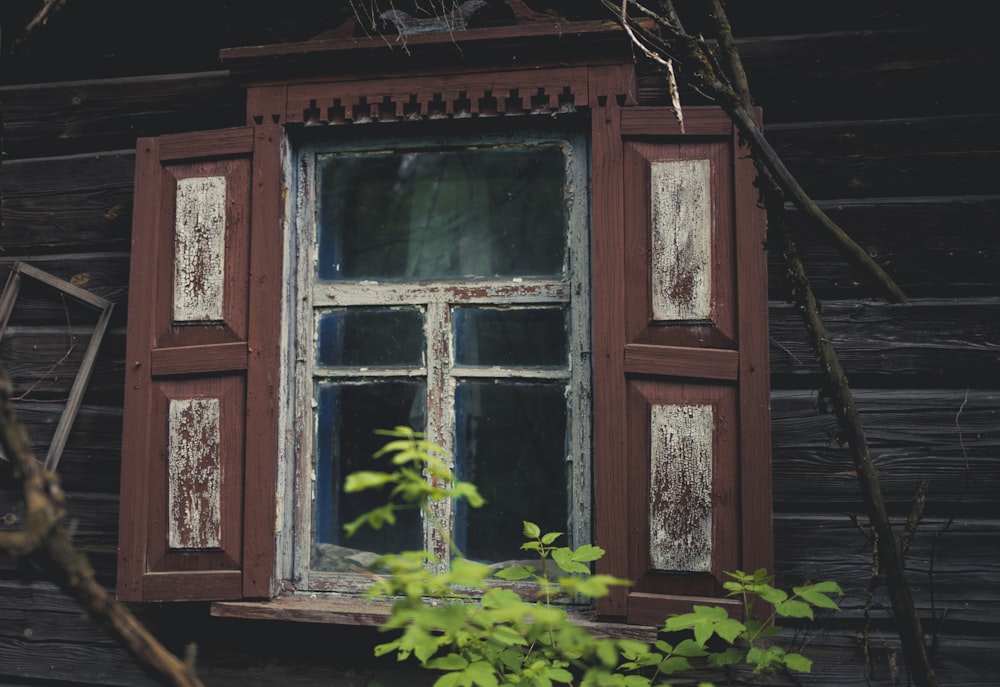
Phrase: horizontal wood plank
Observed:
(926, 343)
(932, 246)
(91, 460)
(79, 202)
(930, 156)
(954, 559)
(109, 114)
(949, 437)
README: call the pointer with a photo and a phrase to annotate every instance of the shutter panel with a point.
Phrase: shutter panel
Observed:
(190, 373)
(694, 370)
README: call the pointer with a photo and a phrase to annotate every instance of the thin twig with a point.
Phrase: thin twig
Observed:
(700, 66)
(47, 543)
(69, 351)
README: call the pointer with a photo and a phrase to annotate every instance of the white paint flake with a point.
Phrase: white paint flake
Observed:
(199, 249)
(681, 214)
(195, 474)
(680, 487)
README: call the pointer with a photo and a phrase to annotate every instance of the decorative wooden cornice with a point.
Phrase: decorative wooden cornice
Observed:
(532, 64)
(542, 41)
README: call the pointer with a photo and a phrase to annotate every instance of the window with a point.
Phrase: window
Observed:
(366, 252)
(443, 286)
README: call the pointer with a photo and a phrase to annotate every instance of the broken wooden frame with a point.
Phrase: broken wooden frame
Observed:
(104, 306)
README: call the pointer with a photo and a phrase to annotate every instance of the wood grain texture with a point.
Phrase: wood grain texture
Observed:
(934, 246)
(914, 189)
(929, 343)
(108, 114)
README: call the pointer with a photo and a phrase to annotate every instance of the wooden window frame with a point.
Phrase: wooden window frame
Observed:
(718, 363)
(438, 297)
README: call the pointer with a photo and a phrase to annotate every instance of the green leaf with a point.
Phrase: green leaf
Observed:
(449, 662)
(770, 594)
(564, 559)
(664, 646)
(375, 518)
(469, 492)
(383, 649)
(675, 664)
(636, 681)
(482, 674)
(689, 648)
(593, 586)
(560, 675)
(550, 537)
(826, 587)
(531, 530)
(449, 680)
(730, 657)
(816, 598)
(798, 663)
(588, 552)
(359, 481)
(515, 572)
(607, 654)
(794, 609)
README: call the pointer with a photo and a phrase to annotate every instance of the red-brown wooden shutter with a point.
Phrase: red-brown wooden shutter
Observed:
(681, 417)
(197, 490)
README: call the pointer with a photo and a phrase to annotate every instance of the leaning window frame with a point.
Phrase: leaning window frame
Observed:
(303, 290)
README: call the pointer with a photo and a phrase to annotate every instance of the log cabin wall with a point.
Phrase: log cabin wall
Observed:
(886, 112)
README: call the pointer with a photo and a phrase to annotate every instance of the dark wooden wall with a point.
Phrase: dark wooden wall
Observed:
(885, 109)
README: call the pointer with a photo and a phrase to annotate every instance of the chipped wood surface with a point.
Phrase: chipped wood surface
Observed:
(195, 474)
(680, 487)
(681, 219)
(199, 249)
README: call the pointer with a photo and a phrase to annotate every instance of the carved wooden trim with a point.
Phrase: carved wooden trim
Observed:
(459, 95)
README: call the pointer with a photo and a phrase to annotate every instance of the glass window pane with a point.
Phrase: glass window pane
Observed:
(347, 417)
(510, 441)
(442, 214)
(370, 337)
(529, 337)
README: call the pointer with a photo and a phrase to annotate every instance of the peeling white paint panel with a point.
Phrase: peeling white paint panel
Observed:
(681, 214)
(199, 249)
(680, 487)
(195, 474)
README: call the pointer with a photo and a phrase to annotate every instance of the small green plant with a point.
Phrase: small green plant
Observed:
(452, 618)
(748, 640)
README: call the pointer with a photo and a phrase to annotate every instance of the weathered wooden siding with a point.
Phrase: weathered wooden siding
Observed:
(879, 107)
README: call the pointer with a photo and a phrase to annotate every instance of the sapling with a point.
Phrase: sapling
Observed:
(464, 620)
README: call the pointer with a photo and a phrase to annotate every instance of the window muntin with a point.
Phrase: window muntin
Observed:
(463, 313)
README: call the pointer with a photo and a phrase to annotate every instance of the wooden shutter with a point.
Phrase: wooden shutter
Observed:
(682, 440)
(197, 488)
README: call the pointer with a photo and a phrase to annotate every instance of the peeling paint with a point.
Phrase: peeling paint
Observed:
(680, 487)
(199, 249)
(195, 474)
(568, 289)
(681, 221)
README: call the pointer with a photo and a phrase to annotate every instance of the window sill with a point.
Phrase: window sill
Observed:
(339, 610)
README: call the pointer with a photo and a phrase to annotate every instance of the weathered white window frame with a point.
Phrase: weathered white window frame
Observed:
(303, 297)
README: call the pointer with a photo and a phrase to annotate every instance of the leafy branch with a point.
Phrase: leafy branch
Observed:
(475, 632)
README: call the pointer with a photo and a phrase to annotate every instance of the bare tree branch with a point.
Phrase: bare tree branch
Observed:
(723, 78)
(698, 64)
(44, 540)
